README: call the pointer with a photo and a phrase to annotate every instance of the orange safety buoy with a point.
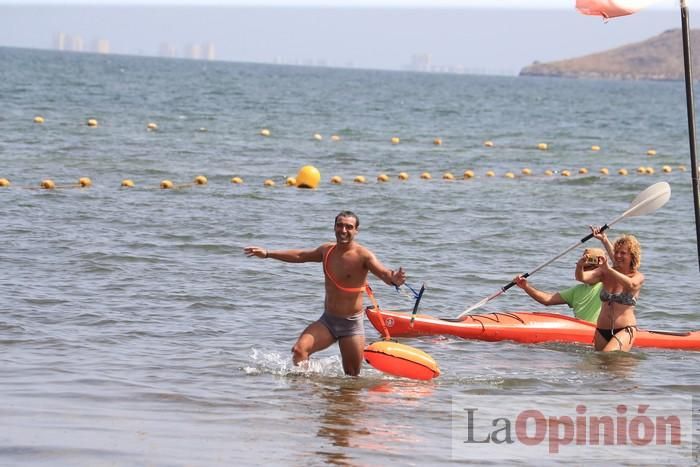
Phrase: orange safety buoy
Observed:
(401, 360)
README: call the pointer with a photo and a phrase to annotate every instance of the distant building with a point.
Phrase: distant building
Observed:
(167, 50)
(420, 62)
(76, 43)
(209, 53)
(193, 51)
(205, 51)
(60, 41)
(102, 46)
(63, 41)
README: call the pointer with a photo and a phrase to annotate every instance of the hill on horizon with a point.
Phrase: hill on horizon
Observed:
(657, 58)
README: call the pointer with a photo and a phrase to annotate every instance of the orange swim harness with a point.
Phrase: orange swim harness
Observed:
(327, 272)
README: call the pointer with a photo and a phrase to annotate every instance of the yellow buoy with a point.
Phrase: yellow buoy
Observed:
(565, 173)
(318, 137)
(382, 178)
(681, 168)
(291, 181)
(604, 171)
(488, 144)
(47, 184)
(526, 171)
(437, 141)
(269, 182)
(85, 182)
(151, 126)
(426, 176)
(335, 138)
(583, 171)
(4, 182)
(509, 175)
(308, 177)
(126, 183)
(468, 174)
(166, 184)
(649, 170)
(448, 176)
(490, 173)
(667, 169)
(336, 179)
(641, 170)
(264, 132)
(549, 172)
(200, 180)
(542, 146)
(622, 172)
(595, 148)
(651, 152)
(92, 122)
(359, 179)
(395, 140)
(236, 180)
(403, 176)
(38, 119)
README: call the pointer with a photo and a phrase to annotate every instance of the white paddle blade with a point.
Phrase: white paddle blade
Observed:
(649, 200)
(462, 316)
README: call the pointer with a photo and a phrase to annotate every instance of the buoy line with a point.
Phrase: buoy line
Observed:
(309, 177)
(392, 139)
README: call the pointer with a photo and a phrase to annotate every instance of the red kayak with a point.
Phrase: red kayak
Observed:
(520, 326)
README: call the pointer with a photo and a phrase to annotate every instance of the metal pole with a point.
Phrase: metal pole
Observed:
(690, 103)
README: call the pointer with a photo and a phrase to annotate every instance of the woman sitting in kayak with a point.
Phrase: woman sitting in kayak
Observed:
(617, 325)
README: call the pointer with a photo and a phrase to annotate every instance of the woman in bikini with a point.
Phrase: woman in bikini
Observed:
(617, 325)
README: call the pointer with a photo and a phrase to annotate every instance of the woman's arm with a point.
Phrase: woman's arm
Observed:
(602, 236)
(588, 277)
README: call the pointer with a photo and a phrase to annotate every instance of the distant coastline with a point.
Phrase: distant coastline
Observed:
(659, 58)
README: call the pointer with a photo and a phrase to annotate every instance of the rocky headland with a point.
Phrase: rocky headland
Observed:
(657, 58)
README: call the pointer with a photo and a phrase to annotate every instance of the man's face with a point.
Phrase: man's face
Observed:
(345, 229)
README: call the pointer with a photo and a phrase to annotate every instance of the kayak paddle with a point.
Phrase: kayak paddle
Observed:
(646, 202)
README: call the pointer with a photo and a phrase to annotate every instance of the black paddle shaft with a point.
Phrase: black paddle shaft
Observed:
(527, 274)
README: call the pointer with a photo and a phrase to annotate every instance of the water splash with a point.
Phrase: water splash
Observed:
(263, 361)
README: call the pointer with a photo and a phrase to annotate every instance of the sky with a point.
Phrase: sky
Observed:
(509, 4)
(502, 4)
(465, 35)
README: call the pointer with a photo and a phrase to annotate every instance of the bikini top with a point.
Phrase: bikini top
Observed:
(327, 272)
(622, 297)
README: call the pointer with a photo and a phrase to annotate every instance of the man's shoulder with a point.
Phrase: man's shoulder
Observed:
(363, 250)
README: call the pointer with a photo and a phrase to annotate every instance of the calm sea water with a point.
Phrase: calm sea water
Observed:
(133, 330)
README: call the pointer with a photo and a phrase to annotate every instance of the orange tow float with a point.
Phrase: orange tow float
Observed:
(401, 360)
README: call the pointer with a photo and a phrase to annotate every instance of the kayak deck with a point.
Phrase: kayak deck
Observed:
(528, 327)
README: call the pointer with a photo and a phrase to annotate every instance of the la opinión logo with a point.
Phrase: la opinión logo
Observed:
(579, 427)
(532, 427)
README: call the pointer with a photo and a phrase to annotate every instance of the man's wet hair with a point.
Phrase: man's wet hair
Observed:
(348, 214)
